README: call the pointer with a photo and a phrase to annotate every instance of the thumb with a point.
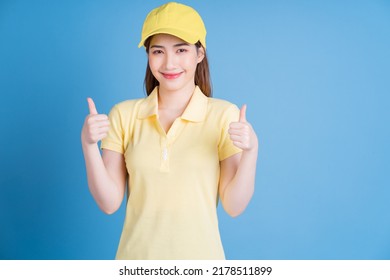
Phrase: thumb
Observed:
(92, 107)
(243, 114)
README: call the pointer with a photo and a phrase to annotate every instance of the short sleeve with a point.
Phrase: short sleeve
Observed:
(115, 137)
(226, 148)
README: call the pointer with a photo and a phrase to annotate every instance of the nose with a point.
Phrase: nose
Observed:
(170, 61)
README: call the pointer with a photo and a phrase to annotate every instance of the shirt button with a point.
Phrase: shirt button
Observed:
(165, 154)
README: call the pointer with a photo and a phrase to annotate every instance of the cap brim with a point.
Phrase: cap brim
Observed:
(185, 36)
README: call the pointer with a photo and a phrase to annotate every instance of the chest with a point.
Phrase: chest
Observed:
(166, 118)
(186, 146)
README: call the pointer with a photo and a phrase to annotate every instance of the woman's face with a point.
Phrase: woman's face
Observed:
(173, 61)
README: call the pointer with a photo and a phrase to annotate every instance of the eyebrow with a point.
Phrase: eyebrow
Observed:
(176, 45)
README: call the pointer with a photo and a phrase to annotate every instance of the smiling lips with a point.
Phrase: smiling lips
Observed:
(171, 76)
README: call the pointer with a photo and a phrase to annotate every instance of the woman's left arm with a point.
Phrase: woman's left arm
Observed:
(237, 179)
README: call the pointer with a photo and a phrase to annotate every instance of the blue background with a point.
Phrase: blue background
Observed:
(315, 76)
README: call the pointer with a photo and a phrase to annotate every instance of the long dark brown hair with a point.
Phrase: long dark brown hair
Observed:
(202, 73)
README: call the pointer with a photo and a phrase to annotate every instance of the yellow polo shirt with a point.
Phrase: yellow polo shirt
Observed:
(173, 177)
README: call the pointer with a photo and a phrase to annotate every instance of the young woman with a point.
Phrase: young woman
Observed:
(178, 150)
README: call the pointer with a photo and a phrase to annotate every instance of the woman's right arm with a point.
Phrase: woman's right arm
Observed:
(107, 173)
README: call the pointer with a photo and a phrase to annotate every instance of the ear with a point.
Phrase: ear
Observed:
(200, 54)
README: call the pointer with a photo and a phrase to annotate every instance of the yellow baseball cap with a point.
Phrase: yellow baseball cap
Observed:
(175, 19)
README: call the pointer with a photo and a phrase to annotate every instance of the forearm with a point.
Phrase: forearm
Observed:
(105, 191)
(238, 192)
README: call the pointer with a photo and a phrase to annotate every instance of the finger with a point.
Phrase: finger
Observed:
(101, 117)
(240, 142)
(104, 128)
(239, 129)
(239, 138)
(243, 114)
(237, 125)
(96, 134)
(91, 106)
(235, 138)
(98, 128)
(240, 145)
(97, 120)
(237, 132)
(102, 136)
(101, 121)
(242, 128)
(103, 124)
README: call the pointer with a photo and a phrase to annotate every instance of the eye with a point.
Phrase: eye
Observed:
(157, 52)
(181, 50)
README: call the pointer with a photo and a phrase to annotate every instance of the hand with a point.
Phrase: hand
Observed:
(95, 126)
(242, 133)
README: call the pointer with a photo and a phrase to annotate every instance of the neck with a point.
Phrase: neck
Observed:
(175, 99)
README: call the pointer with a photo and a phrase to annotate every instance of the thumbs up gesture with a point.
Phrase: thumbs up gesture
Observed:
(95, 126)
(242, 133)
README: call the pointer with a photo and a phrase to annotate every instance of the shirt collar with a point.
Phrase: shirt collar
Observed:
(149, 106)
(196, 109)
